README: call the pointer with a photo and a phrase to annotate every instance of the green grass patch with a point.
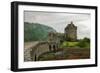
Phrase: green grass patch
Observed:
(69, 44)
(80, 44)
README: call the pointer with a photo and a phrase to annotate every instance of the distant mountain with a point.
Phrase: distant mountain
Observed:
(36, 32)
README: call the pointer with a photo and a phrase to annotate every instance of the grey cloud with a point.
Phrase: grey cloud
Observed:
(59, 21)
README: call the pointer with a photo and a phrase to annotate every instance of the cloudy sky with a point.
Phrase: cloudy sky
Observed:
(59, 20)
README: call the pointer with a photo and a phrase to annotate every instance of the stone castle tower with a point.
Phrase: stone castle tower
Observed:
(71, 32)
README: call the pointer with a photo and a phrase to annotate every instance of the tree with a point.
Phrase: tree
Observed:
(84, 42)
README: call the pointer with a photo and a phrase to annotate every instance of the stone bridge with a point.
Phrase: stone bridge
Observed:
(33, 50)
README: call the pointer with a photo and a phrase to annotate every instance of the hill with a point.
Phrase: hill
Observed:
(36, 32)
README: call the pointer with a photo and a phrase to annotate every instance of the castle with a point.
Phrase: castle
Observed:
(70, 34)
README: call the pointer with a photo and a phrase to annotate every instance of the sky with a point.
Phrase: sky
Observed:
(59, 20)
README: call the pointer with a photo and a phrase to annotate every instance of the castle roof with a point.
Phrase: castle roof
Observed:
(71, 25)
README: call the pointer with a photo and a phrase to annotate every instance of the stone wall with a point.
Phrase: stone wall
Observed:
(31, 54)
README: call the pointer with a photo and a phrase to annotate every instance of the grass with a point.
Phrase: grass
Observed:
(80, 44)
(72, 44)
(69, 44)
